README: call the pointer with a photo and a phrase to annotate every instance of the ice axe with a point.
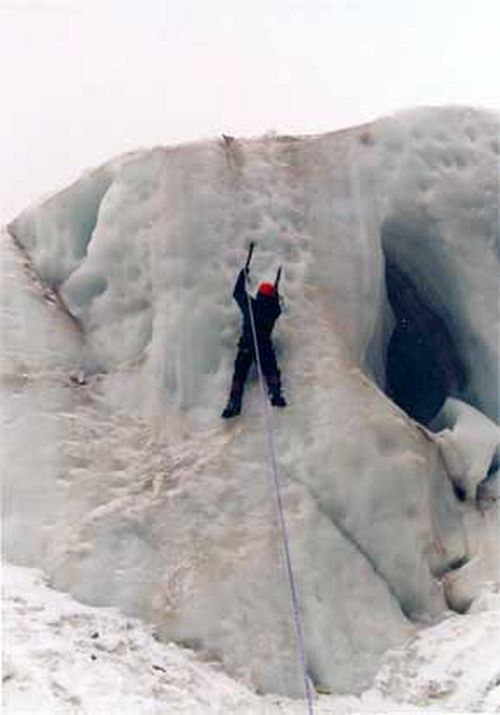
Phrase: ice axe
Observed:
(249, 257)
(277, 280)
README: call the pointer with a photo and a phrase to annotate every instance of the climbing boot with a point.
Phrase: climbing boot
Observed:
(277, 400)
(274, 387)
(233, 407)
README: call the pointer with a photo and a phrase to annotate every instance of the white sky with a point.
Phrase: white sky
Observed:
(84, 80)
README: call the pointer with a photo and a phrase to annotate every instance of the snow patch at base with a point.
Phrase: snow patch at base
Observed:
(60, 656)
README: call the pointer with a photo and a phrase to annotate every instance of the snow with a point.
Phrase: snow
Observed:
(63, 657)
(122, 483)
(454, 663)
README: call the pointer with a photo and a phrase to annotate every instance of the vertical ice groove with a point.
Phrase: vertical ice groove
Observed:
(58, 232)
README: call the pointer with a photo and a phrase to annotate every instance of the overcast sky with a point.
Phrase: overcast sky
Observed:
(84, 80)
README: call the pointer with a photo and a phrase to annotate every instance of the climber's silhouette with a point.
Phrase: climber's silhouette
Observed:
(266, 310)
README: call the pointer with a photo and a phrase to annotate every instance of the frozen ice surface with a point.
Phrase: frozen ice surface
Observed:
(133, 494)
(470, 442)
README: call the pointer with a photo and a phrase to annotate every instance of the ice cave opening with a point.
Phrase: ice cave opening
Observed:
(422, 366)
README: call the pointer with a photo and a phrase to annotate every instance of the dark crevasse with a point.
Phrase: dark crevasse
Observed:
(422, 363)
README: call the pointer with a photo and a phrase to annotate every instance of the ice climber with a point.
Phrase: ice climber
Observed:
(266, 310)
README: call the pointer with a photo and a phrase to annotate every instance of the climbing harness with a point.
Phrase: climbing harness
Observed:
(274, 479)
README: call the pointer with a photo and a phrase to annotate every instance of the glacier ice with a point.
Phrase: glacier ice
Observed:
(470, 444)
(133, 494)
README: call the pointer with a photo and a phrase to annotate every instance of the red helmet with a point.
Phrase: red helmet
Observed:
(267, 289)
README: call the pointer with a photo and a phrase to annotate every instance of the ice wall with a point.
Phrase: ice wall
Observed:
(148, 501)
(441, 225)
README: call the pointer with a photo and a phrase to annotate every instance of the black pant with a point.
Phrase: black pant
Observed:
(243, 362)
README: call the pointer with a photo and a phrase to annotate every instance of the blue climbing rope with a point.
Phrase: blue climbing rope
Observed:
(274, 479)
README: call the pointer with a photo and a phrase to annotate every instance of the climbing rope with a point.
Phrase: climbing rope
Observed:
(274, 479)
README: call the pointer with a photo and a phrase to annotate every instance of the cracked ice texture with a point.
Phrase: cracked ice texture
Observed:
(154, 505)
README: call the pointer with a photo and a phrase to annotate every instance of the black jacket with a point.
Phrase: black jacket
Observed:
(266, 310)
